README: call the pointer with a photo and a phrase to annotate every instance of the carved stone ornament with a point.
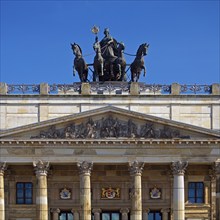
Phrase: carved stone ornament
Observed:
(136, 168)
(41, 168)
(110, 193)
(110, 127)
(179, 167)
(3, 168)
(215, 170)
(155, 193)
(85, 167)
(65, 193)
(55, 210)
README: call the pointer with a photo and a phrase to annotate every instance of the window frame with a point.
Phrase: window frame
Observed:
(66, 213)
(196, 199)
(110, 212)
(26, 200)
(154, 212)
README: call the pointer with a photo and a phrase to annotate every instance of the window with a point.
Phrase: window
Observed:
(66, 216)
(24, 193)
(196, 192)
(111, 216)
(155, 215)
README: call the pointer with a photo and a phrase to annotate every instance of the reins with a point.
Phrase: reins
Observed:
(105, 47)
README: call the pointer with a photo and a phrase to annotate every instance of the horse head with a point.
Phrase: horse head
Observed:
(142, 50)
(76, 49)
(121, 46)
(97, 47)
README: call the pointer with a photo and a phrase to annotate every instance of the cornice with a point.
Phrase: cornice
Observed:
(110, 141)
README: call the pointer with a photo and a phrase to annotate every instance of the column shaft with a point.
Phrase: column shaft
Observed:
(85, 189)
(178, 169)
(85, 196)
(136, 198)
(41, 170)
(178, 197)
(217, 170)
(2, 196)
(2, 191)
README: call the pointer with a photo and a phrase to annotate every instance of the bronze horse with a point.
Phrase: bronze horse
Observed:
(98, 63)
(138, 63)
(79, 63)
(120, 63)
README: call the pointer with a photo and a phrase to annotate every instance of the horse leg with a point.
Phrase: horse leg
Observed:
(118, 77)
(102, 67)
(144, 68)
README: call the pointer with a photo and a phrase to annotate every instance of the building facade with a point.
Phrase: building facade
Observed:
(109, 151)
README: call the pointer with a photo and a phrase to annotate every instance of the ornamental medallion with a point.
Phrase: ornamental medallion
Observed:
(155, 193)
(65, 193)
(110, 193)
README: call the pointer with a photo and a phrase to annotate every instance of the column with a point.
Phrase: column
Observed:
(214, 174)
(75, 214)
(178, 168)
(85, 189)
(165, 213)
(218, 190)
(136, 169)
(96, 213)
(145, 214)
(206, 199)
(41, 168)
(3, 167)
(55, 212)
(124, 213)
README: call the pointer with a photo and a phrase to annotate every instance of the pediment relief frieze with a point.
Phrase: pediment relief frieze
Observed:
(111, 127)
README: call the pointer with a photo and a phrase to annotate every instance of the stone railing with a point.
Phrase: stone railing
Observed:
(109, 88)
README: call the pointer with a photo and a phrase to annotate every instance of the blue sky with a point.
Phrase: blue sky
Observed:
(183, 37)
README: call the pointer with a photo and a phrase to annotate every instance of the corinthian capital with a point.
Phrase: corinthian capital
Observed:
(85, 167)
(136, 167)
(3, 167)
(40, 167)
(216, 167)
(179, 167)
(215, 170)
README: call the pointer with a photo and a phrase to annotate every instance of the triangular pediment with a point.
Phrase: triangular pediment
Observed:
(106, 123)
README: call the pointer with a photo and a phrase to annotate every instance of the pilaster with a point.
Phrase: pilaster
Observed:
(75, 214)
(175, 89)
(3, 88)
(165, 213)
(55, 212)
(124, 213)
(145, 214)
(85, 89)
(96, 213)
